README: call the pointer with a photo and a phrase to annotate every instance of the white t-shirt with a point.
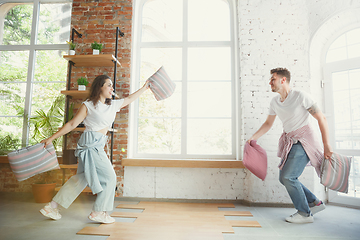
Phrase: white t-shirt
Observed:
(102, 115)
(292, 111)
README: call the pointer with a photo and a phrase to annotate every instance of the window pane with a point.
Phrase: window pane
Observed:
(13, 66)
(12, 98)
(45, 132)
(170, 107)
(354, 51)
(353, 36)
(345, 47)
(209, 136)
(153, 58)
(209, 20)
(338, 43)
(162, 136)
(54, 24)
(162, 21)
(50, 66)
(209, 99)
(51, 71)
(337, 54)
(44, 95)
(209, 64)
(354, 179)
(17, 24)
(346, 109)
(340, 81)
(10, 134)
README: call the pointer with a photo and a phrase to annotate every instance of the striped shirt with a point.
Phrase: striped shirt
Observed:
(305, 135)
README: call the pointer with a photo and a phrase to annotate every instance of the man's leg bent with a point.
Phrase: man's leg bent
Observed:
(293, 168)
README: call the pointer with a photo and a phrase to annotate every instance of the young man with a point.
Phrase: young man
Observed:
(297, 144)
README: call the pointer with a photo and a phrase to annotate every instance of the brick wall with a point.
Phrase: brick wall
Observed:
(97, 21)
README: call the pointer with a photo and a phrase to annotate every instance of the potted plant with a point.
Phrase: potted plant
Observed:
(96, 47)
(82, 83)
(72, 47)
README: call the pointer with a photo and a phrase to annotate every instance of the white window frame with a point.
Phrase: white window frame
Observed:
(328, 69)
(32, 48)
(184, 44)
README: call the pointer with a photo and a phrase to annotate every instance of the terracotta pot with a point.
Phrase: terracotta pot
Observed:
(43, 192)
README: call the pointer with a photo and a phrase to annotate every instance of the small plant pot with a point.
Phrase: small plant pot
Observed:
(72, 52)
(43, 193)
(81, 87)
(96, 51)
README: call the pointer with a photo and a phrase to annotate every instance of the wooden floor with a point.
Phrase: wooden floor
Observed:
(172, 221)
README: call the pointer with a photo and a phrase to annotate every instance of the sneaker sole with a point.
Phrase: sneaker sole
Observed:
(317, 209)
(45, 214)
(289, 221)
(99, 221)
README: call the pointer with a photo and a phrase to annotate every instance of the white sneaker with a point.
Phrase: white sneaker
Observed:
(317, 208)
(297, 218)
(102, 217)
(50, 212)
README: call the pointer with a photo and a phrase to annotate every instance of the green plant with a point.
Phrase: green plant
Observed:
(82, 81)
(71, 44)
(71, 111)
(96, 45)
(9, 144)
(47, 123)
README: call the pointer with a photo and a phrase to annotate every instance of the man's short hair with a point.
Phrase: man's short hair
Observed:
(282, 72)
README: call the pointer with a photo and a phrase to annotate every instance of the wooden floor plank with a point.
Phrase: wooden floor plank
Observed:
(238, 213)
(243, 223)
(175, 221)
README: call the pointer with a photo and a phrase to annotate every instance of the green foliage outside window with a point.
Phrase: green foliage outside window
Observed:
(47, 107)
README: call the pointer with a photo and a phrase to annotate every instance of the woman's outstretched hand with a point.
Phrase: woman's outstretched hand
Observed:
(47, 141)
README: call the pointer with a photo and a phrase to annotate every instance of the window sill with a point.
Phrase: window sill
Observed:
(4, 159)
(197, 163)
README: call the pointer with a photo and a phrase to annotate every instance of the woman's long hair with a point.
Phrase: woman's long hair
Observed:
(95, 90)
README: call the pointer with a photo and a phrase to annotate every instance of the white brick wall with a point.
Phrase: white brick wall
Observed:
(271, 33)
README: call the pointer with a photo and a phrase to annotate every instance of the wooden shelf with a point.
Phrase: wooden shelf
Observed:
(76, 94)
(68, 166)
(101, 60)
(81, 129)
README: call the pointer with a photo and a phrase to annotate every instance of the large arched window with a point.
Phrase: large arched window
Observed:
(33, 38)
(195, 42)
(342, 101)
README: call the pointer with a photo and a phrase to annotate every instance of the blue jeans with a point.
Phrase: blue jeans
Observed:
(293, 168)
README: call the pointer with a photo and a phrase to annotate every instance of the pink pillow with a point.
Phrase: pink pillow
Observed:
(255, 159)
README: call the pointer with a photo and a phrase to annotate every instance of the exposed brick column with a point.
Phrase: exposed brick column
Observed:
(97, 21)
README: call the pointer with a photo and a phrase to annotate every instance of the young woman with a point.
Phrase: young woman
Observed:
(94, 169)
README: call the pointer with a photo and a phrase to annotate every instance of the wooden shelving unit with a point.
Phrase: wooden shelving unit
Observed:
(76, 94)
(101, 60)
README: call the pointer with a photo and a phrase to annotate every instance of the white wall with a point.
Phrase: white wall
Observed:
(272, 33)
